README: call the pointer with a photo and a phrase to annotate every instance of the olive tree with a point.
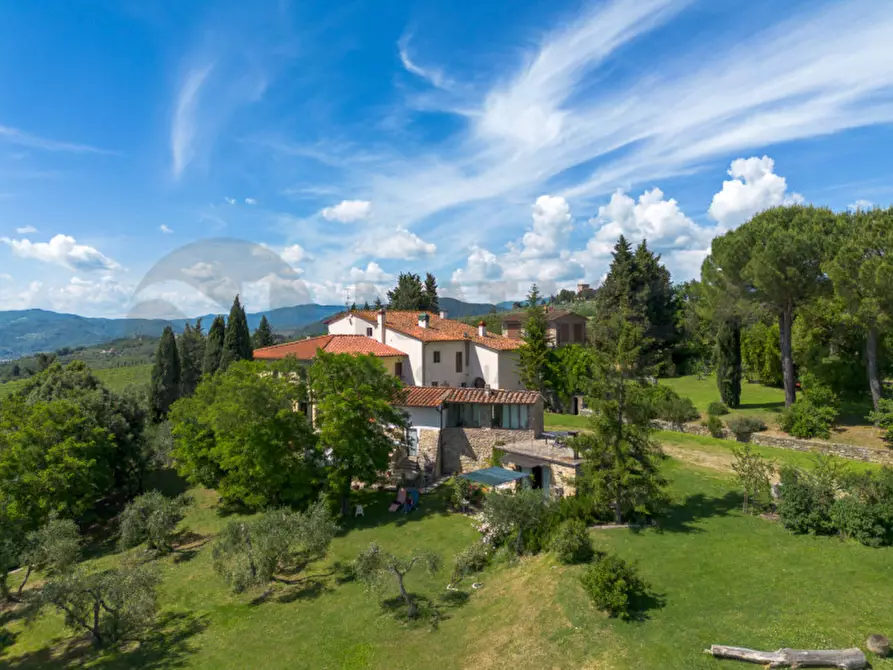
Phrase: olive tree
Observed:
(374, 566)
(53, 549)
(151, 518)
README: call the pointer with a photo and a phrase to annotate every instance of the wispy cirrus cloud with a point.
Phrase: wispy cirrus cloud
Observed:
(185, 123)
(24, 139)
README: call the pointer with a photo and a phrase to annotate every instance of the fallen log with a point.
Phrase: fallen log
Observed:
(845, 659)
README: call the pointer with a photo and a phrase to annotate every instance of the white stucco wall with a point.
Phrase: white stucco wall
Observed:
(348, 325)
(444, 373)
(423, 417)
(509, 376)
(413, 370)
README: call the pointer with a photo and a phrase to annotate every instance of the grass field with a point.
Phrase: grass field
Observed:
(117, 379)
(721, 577)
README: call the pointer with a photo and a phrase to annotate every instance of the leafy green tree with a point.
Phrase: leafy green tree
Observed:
(44, 360)
(431, 301)
(534, 356)
(358, 426)
(151, 518)
(571, 371)
(752, 472)
(694, 323)
(112, 606)
(776, 259)
(237, 338)
(240, 434)
(408, 294)
(214, 346)
(728, 362)
(565, 296)
(121, 414)
(862, 272)
(165, 386)
(11, 543)
(53, 549)
(520, 512)
(620, 457)
(191, 350)
(263, 336)
(250, 553)
(375, 565)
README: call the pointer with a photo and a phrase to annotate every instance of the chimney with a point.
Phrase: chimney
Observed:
(381, 325)
(423, 320)
(443, 314)
(482, 329)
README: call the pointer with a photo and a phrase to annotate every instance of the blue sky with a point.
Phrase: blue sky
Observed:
(494, 144)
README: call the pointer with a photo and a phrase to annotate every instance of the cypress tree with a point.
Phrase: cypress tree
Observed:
(237, 338)
(534, 354)
(263, 336)
(432, 302)
(165, 387)
(191, 347)
(728, 362)
(214, 346)
(408, 294)
(378, 304)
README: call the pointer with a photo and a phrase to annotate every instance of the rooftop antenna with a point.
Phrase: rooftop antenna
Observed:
(348, 301)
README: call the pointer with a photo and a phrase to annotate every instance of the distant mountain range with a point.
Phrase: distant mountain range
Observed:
(26, 332)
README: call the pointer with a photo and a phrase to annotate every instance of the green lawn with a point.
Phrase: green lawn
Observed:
(721, 577)
(117, 379)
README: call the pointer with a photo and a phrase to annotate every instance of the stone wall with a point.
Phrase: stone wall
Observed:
(466, 449)
(564, 478)
(849, 451)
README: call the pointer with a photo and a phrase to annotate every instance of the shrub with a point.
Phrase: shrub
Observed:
(717, 408)
(614, 586)
(460, 492)
(670, 406)
(752, 472)
(865, 513)
(745, 426)
(806, 501)
(572, 543)
(806, 420)
(151, 518)
(474, 558)
(714, 425)
(883, 418)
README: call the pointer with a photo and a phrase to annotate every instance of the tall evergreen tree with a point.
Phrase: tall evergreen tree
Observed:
(432, 302)
(408, 294)
(214, 346)
(378, 304)
(191, 348)
(534, 354)
(237, 338)
(165, 388)
(263, 336)
(621, 459)
(728, 362)
(366, 306)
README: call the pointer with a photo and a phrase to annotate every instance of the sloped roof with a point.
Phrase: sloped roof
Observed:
(335, 344)
(438, 330)
(434, 396)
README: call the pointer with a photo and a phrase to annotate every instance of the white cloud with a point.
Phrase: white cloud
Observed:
(400, 244)
(5, 277)
(63, 250)
(433, 76)
(293, 254)
(373, 274)
(860, 205)
(652, 217)
(754, 187)
(552, 223)
(185, 124)
(229, 201)
(164, 229)
(250, 201)
(26, 230)
(348, 211)
(23, 139)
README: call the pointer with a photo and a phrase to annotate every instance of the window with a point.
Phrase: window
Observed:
(369, 331)
(398, 369)
(578, 332)
(563, 333)
(510, 416)
(413, 442)
(437, 357)
(458, 361)
(433, 383)
(463, 385)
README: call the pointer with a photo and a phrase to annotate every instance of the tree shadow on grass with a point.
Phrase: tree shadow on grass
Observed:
(166, 645)
(187, 545)
(644, 603)
(681, 517)
(431, 612)
(375, 510)
(776, 406)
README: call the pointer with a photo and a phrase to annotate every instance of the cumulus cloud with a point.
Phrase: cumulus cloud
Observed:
(401, 244)
(250, 201)
(372, 274)
(754, 187)
(229, 201)
(860, 205)
(164, 229)
(552, 223)
(63, 250)
(348, 211)
(293, 254)
(26, 230)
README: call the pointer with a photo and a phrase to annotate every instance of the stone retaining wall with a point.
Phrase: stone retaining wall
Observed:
(849, 451)
(466, 449)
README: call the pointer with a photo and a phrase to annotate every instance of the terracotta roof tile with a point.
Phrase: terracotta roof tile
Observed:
(337, 344)
(434, 396)
(438, 330)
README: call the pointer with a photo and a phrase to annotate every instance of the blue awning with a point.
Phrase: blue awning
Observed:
(494, 476)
